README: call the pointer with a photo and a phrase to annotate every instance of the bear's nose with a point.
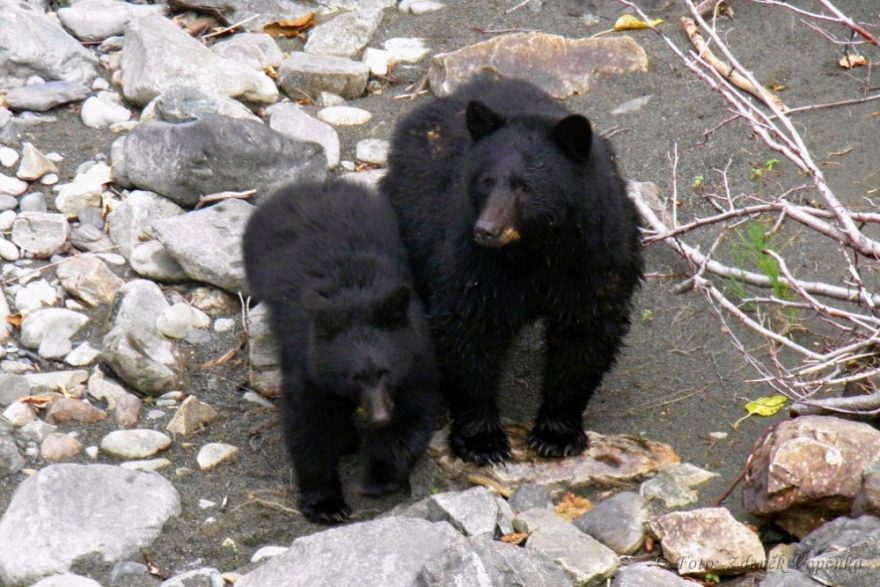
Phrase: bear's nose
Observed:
(486, 233)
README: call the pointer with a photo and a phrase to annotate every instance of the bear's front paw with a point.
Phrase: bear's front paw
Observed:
(557, 444)
(325, 511)
(372, 485)
(482, 448)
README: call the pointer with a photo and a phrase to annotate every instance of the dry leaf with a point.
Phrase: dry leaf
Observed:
(14, 320)
(628, 22)
(572, 506)
(38, 401)
(270, 71)
(850, 61)
(776, 87)
(290, 27)
(517, 538)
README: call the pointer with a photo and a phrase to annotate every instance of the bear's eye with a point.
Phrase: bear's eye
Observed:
(520, 186)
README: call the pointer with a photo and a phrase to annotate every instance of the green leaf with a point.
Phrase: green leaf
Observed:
(768, 405)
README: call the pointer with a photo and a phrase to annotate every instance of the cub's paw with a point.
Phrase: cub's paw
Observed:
(325, 511)
(482, 448)
(557, 444)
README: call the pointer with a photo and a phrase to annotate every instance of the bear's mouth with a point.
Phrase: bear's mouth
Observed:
(378, 405)
(505, 237)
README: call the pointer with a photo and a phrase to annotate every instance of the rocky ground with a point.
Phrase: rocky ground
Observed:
(139, 439)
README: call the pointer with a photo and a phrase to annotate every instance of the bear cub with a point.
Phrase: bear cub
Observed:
(512, 211)
(328, 260)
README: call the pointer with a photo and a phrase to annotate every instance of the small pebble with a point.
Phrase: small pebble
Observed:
(214, 454)
(344, 115)
(224, 324)
(8, 157)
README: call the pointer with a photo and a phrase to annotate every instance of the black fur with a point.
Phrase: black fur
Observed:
(329, 262)
(512, 210)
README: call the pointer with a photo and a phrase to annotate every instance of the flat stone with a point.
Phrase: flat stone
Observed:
(45, 327)
(674, 486)
(214, 154)
(12, 388)
(389, 551)
(528, 496)
(43, 97)
(130, 220)
(40, 233)
(73, 410)
(373, 151)
(344, 115)
(96, 20)
(475, 512)
(406, 50)
(215, 453)
(82, 355)
(71, 381)
(134, 444)
(191, 416)
(58, 446)
(808, 470)
(12, 186)
(207, 243)
(153, 261)
(647, 575)
(617, 522)
(302, 74)
(184, 103)
(89, 279)
(290, 120)
(708, 540)
(585, 560)
(480, 561)
(52, 519)
(345, 35)
(151, 63)
(8, 251)
(842, 552)
(256, 50)
(35, 295)
(378, 60)
(560, 66)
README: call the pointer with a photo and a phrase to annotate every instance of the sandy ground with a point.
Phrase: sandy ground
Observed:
(679, 378)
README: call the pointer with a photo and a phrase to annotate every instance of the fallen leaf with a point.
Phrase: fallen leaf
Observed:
(776, 87)
(628, 22)
(270, 71)
(517, 538)
(290, 27)
(572, 506)
(850, 61)
(14, 320)
(38, 401)
(768, 405)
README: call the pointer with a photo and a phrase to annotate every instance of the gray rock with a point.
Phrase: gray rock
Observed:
(302, 74)
(49, 329)
(708, 540)
(854, 566)
(617, 522)
(82, 355)
(151, 63)
(479, 562)
(837, 535)
(106, 511)
(558, 65)
(867, 500)
(134, 349)
(289, 119)
(11, 461)
(12, 388)
(40, 233)
(345, 35)
(179, 319)
(528, 496)
(475, 512)
(134, 444)
(264, 373)
(585, 560)
(90, 238)
(41, 48)
(373, 151)
(673, 487)
(183, 103)
(130, 220)
(255, 50)
(66, 580)
(787, 578)
(7, 202)
(71, 381)
(334, 5)
(89, 279)
(647, 575)
(204, 577)
(42, 97)
(95, 20)
(153, 261)
(387, 552)
(255, 14)
(214, 154)
(92, 215)
(33, 202)
(34, 164)
(207, 243)
(5, 327)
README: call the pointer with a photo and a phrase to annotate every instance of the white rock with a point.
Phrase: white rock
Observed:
(329, 99)
(267, 552)
(291, 120)
(93, 451)
(40, 233)
(418, 7)
(256, 50)
(96, 20)
(378, 60)
(135, 444)
(46, 329)
(35, 295)
(8, 157)
(34, 164)
(224, 324)
(7, 218)
(373, 151)
(97, 113)
(146, 465)
(8, 251)
(215, 453)
(82, 355)
(12, 186)
(179, 318)
(19, 414)
(344, 115)
(49, 179)
(407, 49)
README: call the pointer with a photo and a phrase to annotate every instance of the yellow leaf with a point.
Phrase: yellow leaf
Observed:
(767, 405)
(849, 61)
(516, 538)
(572, 506)
(628, 22)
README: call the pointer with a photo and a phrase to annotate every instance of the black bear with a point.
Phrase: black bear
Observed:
(328, 260)
(513, 210)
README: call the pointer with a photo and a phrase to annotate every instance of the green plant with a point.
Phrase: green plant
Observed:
(699, 182)
(647, 315)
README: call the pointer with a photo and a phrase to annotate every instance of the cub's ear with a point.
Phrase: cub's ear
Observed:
(393, 309)
(482, 120)
(574, 135)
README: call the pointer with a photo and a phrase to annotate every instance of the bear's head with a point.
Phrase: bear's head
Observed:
(524, 171)
(362, 344)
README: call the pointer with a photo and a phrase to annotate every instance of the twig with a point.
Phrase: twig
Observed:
(517, 7)
(230, 27)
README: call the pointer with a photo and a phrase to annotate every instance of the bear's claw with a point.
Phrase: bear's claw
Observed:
(484, 448)
(557, 445)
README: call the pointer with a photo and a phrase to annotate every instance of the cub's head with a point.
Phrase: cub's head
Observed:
(362, 345)
(523, 171)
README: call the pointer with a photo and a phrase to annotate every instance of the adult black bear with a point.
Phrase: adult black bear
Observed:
(513, 210)
(329, 262)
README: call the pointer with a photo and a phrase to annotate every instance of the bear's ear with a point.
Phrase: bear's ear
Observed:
(482, 120)
(574, 135)
(393, 309)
